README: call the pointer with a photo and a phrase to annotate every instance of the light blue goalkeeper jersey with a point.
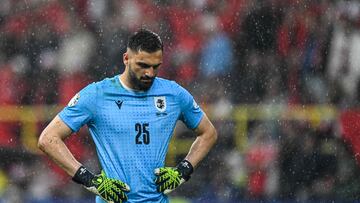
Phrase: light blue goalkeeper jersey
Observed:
(132, 130)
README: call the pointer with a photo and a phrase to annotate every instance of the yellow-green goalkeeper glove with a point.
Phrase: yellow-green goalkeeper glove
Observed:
(169, 178)
(110, 190)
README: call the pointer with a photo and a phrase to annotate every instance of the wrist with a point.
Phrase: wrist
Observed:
(185, 168)
(83, 176)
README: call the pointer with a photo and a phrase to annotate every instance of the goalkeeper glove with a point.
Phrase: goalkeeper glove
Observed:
(169, 178)
(110, 190)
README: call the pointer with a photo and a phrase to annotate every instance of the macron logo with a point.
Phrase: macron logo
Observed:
(119, 103)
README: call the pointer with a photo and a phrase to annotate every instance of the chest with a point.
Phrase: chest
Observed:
(121, 110)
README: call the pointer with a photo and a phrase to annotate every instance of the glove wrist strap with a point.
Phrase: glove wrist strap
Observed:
(186, 169)
(83, 176)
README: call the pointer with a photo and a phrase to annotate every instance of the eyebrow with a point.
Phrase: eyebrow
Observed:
(145, 65)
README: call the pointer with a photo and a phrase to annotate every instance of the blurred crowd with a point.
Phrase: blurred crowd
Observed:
(227, 53)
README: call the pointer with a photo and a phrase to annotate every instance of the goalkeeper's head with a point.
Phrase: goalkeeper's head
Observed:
(142, 59)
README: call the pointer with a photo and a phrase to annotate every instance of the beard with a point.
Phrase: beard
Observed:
(138, 83)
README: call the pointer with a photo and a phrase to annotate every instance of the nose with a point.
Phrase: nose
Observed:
(150, 72)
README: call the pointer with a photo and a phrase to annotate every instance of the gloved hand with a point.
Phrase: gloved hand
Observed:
(169, 178)
(110, 190)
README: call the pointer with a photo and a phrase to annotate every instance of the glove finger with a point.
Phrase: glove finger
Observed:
(160, 171)
(123, 186)
(167, 191)
(118, 190)
(123, 196)
(161, 179)
(119, 195)
(161, 186)
(168, 187)
(173, 185)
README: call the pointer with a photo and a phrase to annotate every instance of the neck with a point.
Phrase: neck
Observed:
(125, 83)
(125, 80)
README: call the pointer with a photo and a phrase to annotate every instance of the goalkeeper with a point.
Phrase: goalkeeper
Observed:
(131, 118)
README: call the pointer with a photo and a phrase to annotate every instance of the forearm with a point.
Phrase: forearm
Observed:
(56, 149)
(51, 143)
(201, 146)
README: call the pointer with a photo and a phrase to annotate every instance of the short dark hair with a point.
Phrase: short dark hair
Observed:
(145, 40)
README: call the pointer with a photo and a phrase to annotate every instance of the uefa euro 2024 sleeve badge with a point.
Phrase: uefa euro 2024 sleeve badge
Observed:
(74, 100)
(160, 103)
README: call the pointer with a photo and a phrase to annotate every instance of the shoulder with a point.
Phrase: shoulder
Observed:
(106, 84)
(95, 88)
(89, 89)
(173, 89)
(168, 85)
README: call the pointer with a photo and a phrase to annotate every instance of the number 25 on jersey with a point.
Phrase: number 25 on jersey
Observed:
(142, 133)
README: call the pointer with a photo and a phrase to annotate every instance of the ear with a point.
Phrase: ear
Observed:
(126, 58)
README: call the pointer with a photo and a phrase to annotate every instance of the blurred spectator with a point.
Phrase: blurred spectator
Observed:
(260, 156)
(216, 56)
(260, 25)
(343, 61)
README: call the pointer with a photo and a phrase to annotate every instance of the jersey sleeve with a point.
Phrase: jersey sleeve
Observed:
(191, 113)
(81, 108)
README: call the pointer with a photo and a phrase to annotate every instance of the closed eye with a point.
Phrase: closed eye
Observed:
(145, 65)
(156, 66)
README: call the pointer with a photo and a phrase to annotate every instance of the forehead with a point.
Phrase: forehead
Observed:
(146, 57)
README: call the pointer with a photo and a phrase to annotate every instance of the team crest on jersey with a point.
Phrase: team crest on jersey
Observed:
(74, 100)
(160, 103)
